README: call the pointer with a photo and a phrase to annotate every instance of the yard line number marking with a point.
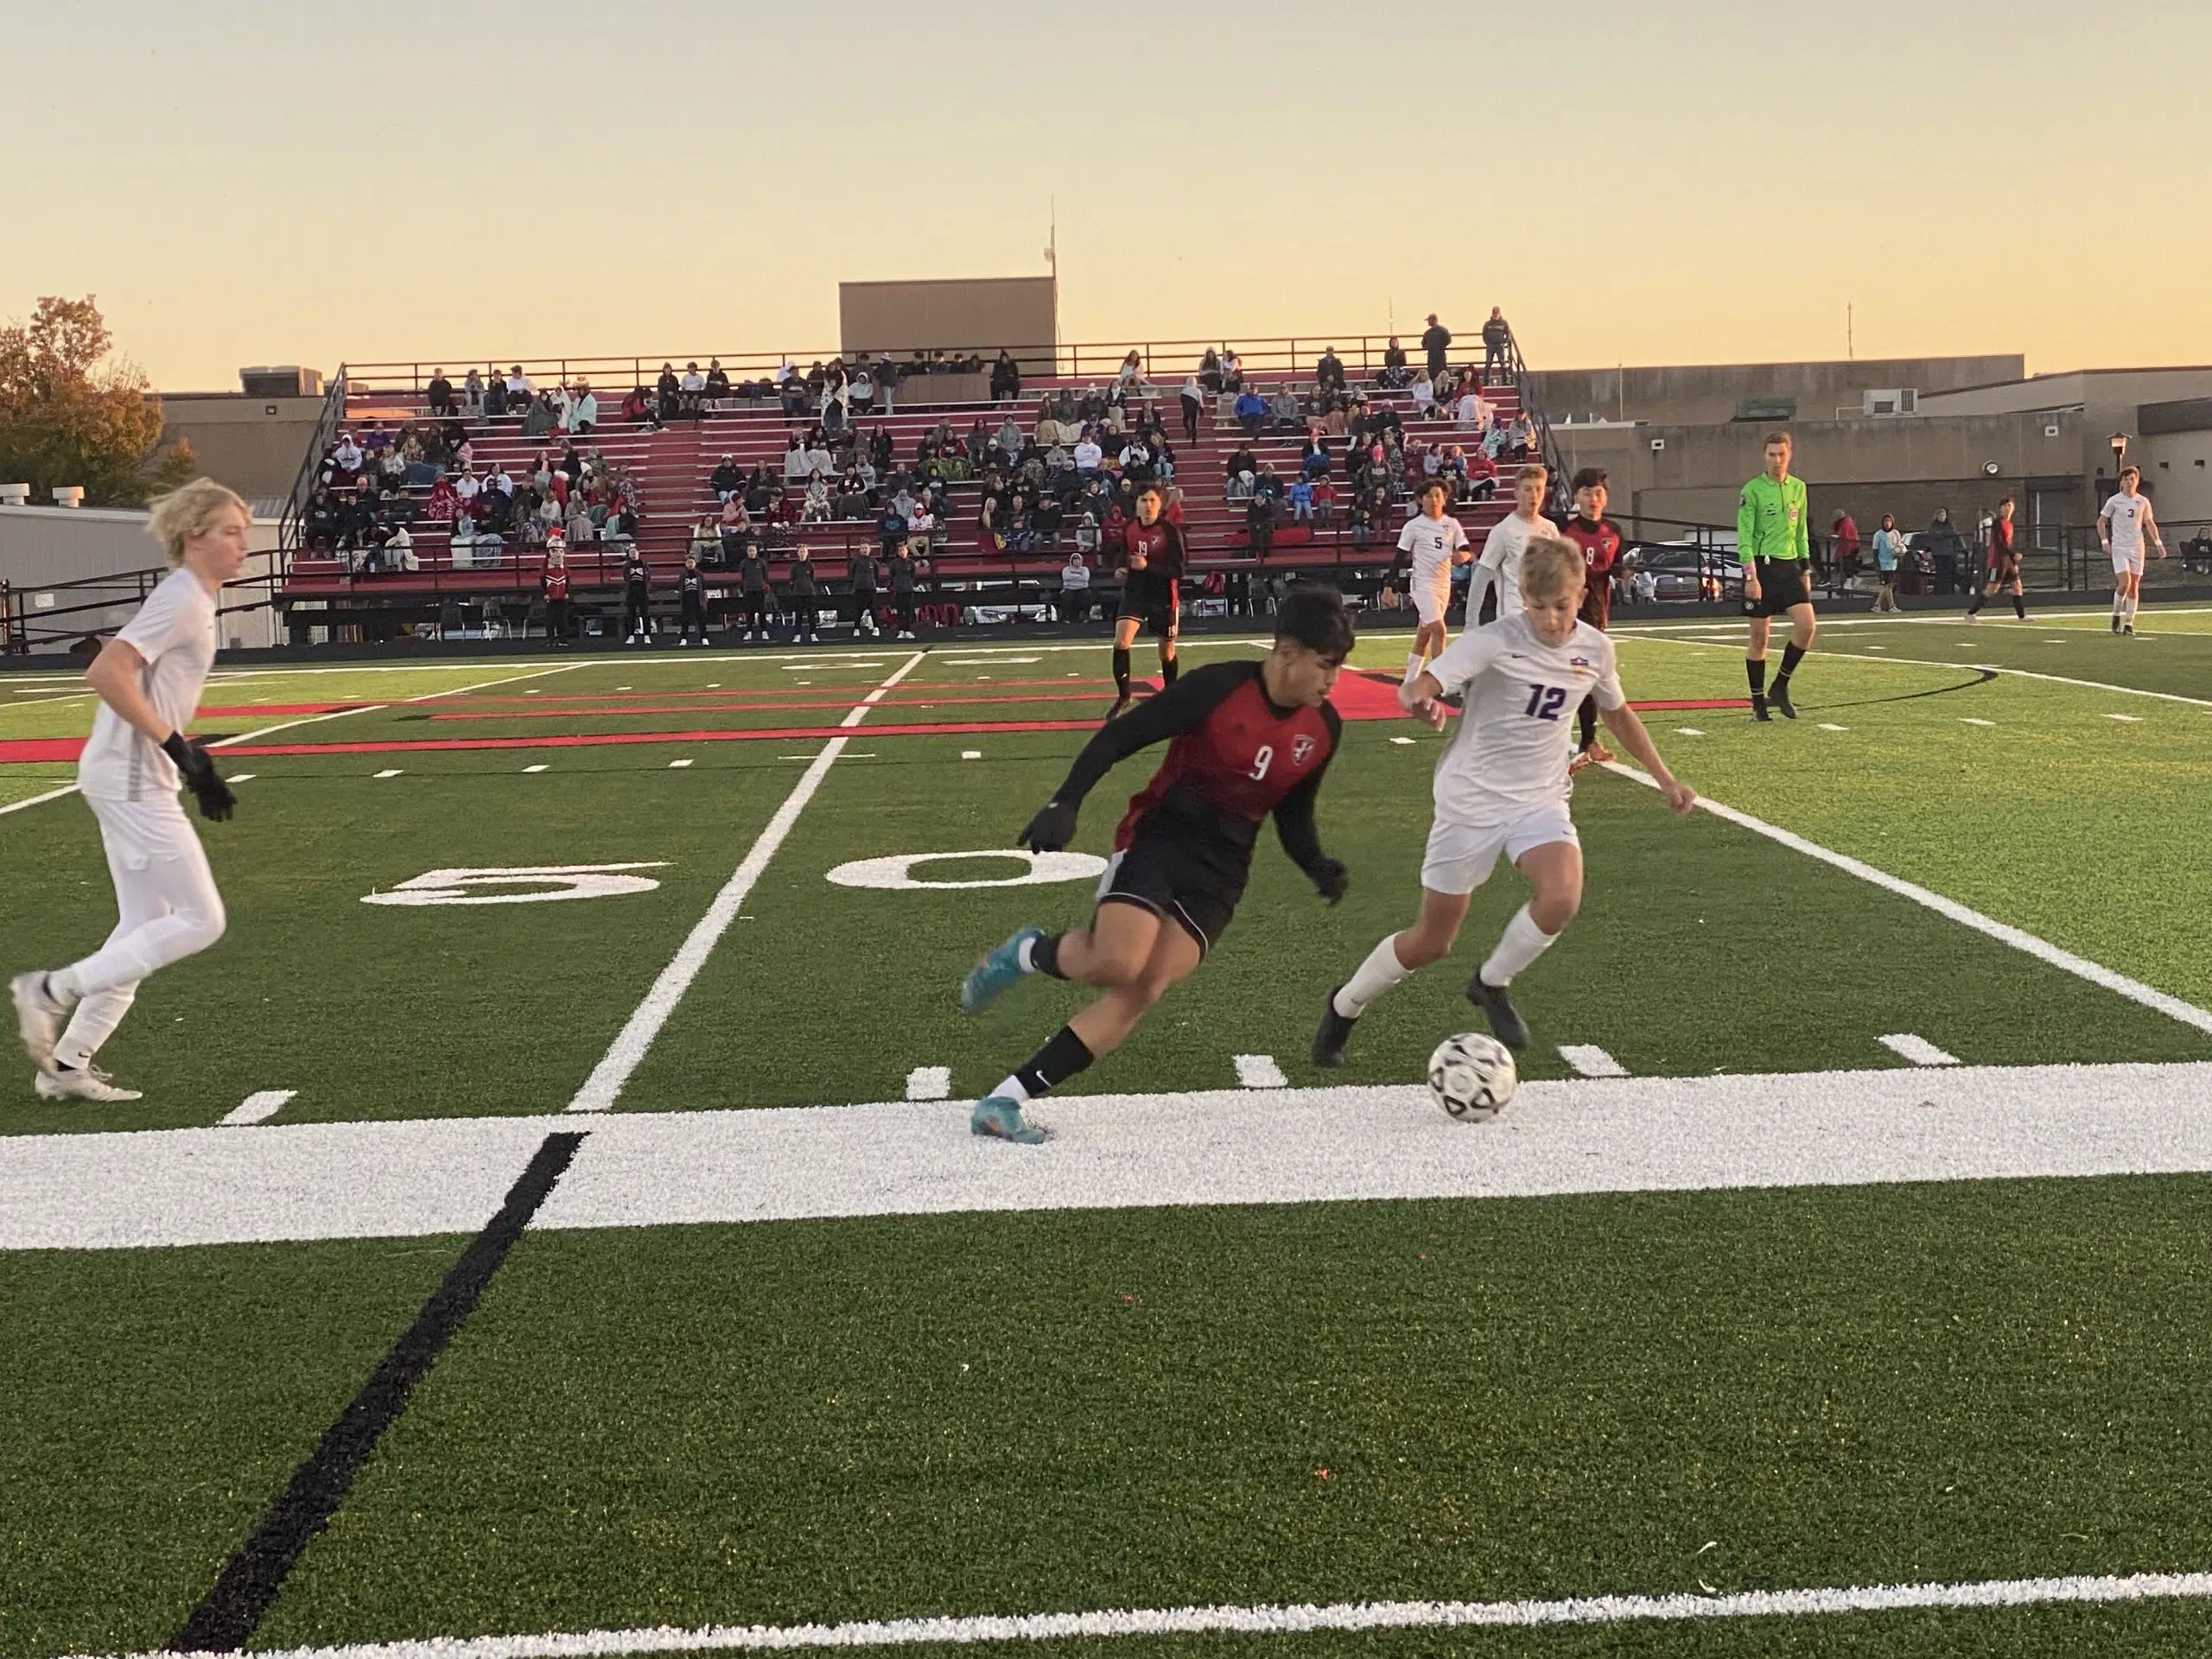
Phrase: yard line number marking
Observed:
(257, 1108)
(1590, 1061)
(1260, 1071)
(629, 1050)
(1918, 1050)
(929, 1083)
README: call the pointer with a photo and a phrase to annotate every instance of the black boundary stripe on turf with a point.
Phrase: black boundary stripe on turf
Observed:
(228, 1614)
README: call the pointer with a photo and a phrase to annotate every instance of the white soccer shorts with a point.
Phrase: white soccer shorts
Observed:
(1461, 854)
(1430, 603)
(2128, 564)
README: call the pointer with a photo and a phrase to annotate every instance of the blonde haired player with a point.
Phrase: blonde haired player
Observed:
(2123, 523)
(1502, 787)
(1436, 541)
(149, 679)
(1508, 539)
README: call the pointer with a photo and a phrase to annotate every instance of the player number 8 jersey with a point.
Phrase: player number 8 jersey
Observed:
(1514, 740)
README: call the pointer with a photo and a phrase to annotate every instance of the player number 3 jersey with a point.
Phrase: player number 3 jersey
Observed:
(1514, 740)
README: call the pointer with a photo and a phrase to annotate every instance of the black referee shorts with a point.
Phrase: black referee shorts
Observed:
(1178, 882)
(1782, 584)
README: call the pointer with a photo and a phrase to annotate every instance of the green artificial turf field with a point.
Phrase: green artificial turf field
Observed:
(1755, 1383)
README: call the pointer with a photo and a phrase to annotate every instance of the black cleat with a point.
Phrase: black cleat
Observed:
(1121, 707)
(1335, 1031)
(1505, 1022)
(1779, 696)
(1758, 706)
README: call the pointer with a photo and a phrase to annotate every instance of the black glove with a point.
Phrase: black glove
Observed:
(1051, 829)
(197, 767)
(1331, 879)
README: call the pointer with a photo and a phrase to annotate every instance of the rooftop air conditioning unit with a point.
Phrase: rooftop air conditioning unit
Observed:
(288, 381)
(1901, 400)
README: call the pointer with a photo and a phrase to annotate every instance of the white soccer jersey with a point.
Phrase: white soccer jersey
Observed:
(2128, 517)
(1432, 541)
(175, 632)
(1502, 550)
(1513, 741)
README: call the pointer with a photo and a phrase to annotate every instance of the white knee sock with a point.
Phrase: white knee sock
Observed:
(1379, 973)
(1521, 943)
(2119, 602)
(91, 1024)
(2133, 602)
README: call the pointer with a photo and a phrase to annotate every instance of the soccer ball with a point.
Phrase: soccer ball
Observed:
(1471, 1075)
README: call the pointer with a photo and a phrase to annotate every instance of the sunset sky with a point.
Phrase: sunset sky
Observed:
(1696, 182)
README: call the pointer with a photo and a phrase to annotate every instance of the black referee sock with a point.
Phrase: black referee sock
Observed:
(1790, 657)
(2020, 607)
(1121, 673)
(1054, 1065)
(1755, 671)
(1167, 671)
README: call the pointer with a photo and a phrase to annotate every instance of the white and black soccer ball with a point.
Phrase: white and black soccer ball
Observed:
(1471, 1075)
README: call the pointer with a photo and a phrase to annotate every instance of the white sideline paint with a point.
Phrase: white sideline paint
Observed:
(390, 772)
(2041, 950)
(1969, 720)
(1688, 731)
(540, 767)
(1280, 1620)
(257, 1108)
(1918, 1050)
(241, 778)
(400, 1179)
(971, 754)
(929, 1083)
(2132, 720)
(1590, 1061)
(1827, 726)
(1260, 1071)
(677, 766)
(1402, 739)
(628, 1049)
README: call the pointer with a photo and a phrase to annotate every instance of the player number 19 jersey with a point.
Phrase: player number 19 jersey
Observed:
(1512, 743)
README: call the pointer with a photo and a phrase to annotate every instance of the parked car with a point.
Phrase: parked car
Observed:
(1684, 570)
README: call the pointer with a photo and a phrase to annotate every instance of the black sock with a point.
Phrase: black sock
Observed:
(1121, 672)
(1974, 607)
(1045, 955)
(1755, 671)
(1167, 670)
(1054, 1063)
(2020, 607)
(1587, 718)
(1790, 657)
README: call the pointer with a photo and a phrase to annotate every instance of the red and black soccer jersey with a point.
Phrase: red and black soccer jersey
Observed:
(2003, 556)
(1601, 549)
(557, 582)
(1160, 545)
(1233, 759)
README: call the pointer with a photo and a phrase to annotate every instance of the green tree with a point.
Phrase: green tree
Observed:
(72, 414)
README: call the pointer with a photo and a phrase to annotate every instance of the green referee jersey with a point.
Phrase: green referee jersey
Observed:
(1770, 520)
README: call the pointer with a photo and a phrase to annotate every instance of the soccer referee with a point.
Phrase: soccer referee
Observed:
(1773, 542)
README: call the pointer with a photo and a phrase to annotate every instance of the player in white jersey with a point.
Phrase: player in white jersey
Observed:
(1500, 566)
(1501, 787)
(2123, 525)
(149, 679)
(1437, 542)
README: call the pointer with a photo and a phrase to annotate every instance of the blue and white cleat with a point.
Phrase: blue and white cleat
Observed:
(996, 973)
(999, 1118)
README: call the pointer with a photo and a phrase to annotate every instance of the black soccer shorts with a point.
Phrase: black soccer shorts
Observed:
(1155, 601)
(1782, 584)
(1178, 883)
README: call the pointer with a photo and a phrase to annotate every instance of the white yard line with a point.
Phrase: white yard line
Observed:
(1300, 1618)
(1918, 1050)
(257, 1108)
(1590, 1061)
(628, 1049)
(29, 801)
(1260, 1071)
(2041, 950)
(1929, 662)
(412, 1178)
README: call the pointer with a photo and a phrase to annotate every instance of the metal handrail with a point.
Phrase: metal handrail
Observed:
(303, 484)
(1360, 353)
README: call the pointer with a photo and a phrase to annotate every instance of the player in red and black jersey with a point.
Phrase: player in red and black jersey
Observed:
(2003, 570)
(1152, 591)
(1249, 739)
(1599, 543)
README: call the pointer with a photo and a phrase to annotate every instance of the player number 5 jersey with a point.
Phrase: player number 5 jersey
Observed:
(1513, 741)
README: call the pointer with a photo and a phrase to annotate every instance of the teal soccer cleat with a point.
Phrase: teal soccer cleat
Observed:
(997, 973)
(999, 1118)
